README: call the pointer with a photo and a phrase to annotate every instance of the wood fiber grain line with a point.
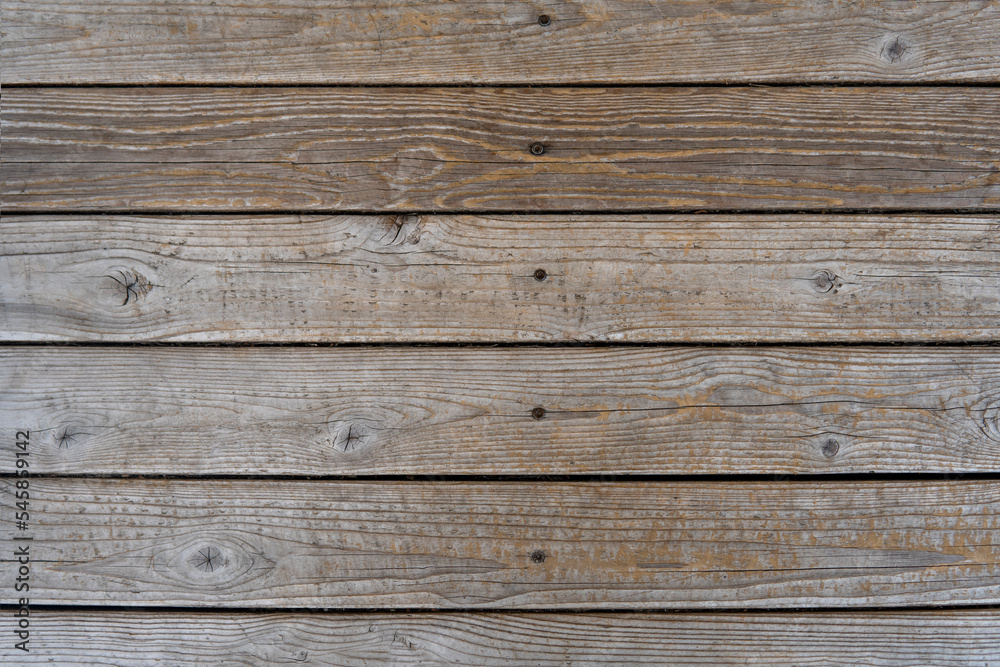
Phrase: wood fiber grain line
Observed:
(470, 149)
(433, 41)
(440, 411)
(505, 545)
(940, 638)
(447, 278)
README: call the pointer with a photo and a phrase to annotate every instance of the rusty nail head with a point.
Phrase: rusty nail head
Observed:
(537, 148)
(538, 413)
(540, 274)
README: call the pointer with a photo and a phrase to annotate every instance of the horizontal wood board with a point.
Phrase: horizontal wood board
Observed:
(434, 41)
(510, 545)
(465, 278)
(492, 149)
(887, 639)
(439, 411)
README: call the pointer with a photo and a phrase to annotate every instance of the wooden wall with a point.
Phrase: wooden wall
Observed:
(500, 333)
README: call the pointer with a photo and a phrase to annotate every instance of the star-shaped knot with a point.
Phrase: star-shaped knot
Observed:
(207, 559)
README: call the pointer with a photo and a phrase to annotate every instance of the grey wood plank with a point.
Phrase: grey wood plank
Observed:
(435, 411)
(941, 638)
(470, 149)
(434, 41)
(282, 543)
(448, 278)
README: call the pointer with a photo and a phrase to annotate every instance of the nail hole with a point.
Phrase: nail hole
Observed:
(537, 148)
(538, 413)
(540, 274)
(538, 556)
(544, 20)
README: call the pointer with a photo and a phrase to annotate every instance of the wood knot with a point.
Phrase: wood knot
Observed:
(208, 559)
(351, 435)
(69, 431)
(830, 448)
(201, 562)
(991, 422)
(893, 49)
(129, 285)
(218, 560)
(67, 436)
(401, 229)
(826, 282)
(414, 165)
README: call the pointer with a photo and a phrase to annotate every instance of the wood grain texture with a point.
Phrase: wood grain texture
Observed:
(405, 278)
(888, 639)
(434, 411)
(434, 41)
(503, 545)
(468, 149)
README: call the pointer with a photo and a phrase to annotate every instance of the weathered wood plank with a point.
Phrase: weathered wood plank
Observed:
(466, 149)
(503, 545)
(467, 278)
(941, 638)
(433, 41)
(433, 411)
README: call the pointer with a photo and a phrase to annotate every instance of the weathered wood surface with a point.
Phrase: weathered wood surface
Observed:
(434, 411)
(503, 545)
(940, 638)
(404, 278)
(432, 41)
(470, 149)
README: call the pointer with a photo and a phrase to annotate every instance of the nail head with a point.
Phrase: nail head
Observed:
(544, 19)
(537, 148)
(538, 413)
(540, 274)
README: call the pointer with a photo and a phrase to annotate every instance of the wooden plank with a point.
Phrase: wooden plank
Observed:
(469, 149)
(282, 543)
(399, 278)
(434, 411)
(435, 41)
(941, 638)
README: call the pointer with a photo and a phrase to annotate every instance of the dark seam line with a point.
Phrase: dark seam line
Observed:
(859, 83)
(735, 609)
(589, 478)
(762, 345)
(607, 213)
